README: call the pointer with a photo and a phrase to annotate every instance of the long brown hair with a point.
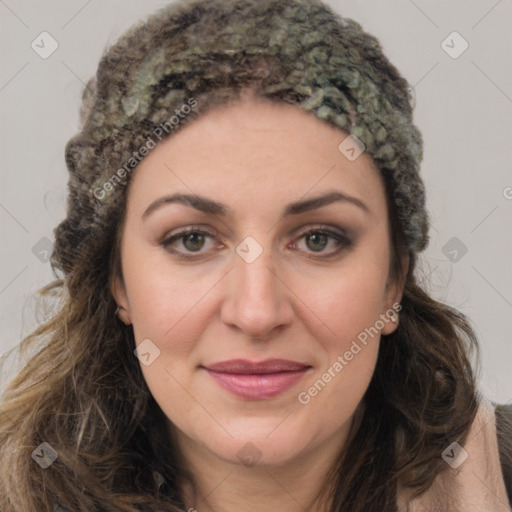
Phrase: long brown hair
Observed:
(82, 391)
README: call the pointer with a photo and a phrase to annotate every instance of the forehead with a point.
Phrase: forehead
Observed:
(256, 153)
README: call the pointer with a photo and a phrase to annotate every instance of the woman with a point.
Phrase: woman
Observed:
(240, 325)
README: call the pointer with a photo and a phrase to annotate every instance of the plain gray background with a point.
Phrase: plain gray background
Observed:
(463, 108)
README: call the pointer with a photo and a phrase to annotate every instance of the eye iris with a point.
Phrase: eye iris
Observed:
(320, 238)
(197, 240)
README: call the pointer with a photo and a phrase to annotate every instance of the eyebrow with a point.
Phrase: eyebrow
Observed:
(207, 205)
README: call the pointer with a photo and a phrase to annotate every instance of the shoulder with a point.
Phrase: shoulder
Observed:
(488, 452)
(503, 417)
(475, 474)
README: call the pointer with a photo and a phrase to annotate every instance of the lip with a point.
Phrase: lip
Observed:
(257, 380)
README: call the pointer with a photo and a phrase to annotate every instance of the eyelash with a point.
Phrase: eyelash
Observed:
(343, 241)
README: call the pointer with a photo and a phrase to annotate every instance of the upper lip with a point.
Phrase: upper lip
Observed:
(242, 366)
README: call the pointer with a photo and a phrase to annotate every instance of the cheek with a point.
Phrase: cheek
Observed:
(171, 317)
(347, 300)
(349, 304)
(162, 298)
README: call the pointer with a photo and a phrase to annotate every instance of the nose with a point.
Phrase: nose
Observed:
(258, 301)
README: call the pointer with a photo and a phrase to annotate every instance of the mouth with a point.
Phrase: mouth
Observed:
(257, 380)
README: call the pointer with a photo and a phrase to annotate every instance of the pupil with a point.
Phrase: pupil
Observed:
(196, 239)
(319, 237)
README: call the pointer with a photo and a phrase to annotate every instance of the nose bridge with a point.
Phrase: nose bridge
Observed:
(255, 279)
(256, 302)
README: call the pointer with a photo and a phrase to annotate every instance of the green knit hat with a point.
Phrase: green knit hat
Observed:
(195, 54)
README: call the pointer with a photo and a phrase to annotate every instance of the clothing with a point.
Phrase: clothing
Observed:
(478, 483)
(484, 484)
(193, 54)
(504, 414)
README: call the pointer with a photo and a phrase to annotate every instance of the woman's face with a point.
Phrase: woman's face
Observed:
(248, 284)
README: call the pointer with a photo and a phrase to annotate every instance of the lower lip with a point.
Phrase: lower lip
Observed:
(259, 386)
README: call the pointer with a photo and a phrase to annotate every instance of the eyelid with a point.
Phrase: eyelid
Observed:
(342, 238)
(321, 227)
(169, 238)
(179, 233)
(194, 228)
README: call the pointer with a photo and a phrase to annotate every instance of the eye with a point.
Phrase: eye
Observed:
(191, 239)
(186, 242)
(317, 239)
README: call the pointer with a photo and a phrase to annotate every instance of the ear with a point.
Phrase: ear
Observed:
(118, 291)
(393, 296)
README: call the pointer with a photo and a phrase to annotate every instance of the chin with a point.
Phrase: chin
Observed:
(259, 442)
(257, 453)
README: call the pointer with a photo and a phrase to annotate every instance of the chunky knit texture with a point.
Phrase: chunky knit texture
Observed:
(293, 51)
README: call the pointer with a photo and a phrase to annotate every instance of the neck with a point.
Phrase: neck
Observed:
(224, 486)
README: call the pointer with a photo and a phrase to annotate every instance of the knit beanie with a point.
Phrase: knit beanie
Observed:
(194, 54)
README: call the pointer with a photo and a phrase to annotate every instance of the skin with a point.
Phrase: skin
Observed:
(290, 302)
